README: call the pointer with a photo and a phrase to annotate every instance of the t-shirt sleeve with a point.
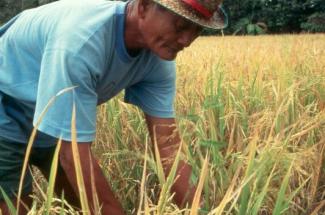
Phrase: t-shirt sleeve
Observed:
(156, 92)
(7, 25)
(62, 70)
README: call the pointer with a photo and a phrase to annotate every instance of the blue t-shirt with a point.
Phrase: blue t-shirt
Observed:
(74, 43)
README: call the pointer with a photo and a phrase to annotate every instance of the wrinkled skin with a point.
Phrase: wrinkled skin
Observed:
(164, 32)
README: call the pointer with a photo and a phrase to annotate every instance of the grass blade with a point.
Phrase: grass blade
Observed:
(198, 192)
(262, 195)
(244, 198)
(77, 163)
(159, 166)
(143, 180)
(10, 205)
(52, 177)
(163, 199)
(31, 141)
(281, 199)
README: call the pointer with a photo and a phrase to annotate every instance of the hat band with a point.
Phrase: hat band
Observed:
(199, 7)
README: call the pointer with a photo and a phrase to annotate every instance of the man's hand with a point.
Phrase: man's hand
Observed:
(164, 132)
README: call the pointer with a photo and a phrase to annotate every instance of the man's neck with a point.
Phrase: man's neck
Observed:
(132, 36)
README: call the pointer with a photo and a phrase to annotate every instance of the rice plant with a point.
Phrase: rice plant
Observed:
(251, 112)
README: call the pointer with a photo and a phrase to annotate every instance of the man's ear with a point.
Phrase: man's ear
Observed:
(143, 7)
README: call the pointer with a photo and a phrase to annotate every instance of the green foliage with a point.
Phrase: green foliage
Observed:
(315, 23)
(10, 8)
(246, 26)
(252, 17)
(254, 29)
(10, 205)
(276, 16)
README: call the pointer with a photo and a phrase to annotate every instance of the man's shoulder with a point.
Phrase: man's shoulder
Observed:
(81, 12)
(82, 4)
(79, 23)
(72, 14)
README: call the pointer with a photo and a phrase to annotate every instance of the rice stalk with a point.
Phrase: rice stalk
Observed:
(31, 141)
(197, 196)
(77, 163)
(52, 177)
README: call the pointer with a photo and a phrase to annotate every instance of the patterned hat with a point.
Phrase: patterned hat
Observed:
(207, 13)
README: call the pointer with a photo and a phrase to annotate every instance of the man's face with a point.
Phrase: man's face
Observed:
(166, 33)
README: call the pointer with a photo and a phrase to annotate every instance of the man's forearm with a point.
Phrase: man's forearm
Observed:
(107, 201)
(183, 189)
(164, 133)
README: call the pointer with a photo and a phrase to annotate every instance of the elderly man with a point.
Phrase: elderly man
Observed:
(101, 48)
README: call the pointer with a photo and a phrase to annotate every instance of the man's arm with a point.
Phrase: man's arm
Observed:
(106, 198)
(167, 137)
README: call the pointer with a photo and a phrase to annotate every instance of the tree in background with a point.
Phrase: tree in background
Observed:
(10, 8)
(316, 21)
(256, 17)
(252, 17)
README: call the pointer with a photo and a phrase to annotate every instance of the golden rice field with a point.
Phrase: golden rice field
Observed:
(254, 106)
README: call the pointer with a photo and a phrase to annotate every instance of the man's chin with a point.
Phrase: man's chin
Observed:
(168, 56)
